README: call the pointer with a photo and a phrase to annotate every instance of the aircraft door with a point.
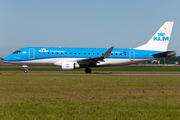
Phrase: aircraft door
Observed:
(131, 55)
(31, 53)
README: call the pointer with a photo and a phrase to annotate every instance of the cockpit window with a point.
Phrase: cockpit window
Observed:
(17, 52)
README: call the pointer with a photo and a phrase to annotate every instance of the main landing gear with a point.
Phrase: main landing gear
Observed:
(88, 70)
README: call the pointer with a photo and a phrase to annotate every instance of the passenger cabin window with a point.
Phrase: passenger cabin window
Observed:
(61, 53)
(111, 53)
(52, 52)
(39, 52)
(84, 53)
(43, 52)
(97, 53)
(75, 53)
(88, 53)
(57, 53)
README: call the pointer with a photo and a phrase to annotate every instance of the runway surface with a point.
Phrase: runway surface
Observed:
(89, 74)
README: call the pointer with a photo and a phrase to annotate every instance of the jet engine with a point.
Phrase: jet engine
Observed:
(69, 65)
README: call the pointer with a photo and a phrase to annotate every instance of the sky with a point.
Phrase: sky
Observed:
(85, 23)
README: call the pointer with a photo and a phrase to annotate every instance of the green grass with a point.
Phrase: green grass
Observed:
(89, 97)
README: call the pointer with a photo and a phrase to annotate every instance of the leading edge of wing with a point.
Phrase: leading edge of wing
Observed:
(96, 59)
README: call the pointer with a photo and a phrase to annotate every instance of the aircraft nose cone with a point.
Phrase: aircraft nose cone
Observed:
(6, 59)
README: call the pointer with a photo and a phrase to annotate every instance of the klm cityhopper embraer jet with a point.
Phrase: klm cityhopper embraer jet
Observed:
(73, 58)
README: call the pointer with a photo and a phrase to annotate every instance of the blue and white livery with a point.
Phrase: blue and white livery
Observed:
(73, 58)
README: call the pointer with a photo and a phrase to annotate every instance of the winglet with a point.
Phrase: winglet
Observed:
(107, 54)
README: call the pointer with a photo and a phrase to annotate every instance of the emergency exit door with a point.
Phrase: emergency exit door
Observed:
(31, 53)
(131, 55)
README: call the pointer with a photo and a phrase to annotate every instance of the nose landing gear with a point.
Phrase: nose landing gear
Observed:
(25, 68)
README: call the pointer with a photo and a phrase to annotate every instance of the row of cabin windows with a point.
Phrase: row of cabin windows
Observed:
(80, 53)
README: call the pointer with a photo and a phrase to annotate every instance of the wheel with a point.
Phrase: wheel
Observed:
(25, 71)
(88, 70)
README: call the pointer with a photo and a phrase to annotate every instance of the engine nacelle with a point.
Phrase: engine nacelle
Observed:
(69, 65)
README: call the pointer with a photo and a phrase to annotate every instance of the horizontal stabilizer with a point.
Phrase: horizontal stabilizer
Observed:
(169, 53)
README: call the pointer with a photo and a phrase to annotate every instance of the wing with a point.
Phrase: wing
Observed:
(96, 59)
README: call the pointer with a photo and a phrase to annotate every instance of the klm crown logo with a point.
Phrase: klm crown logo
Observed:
(67, 65)
(43, 50)
(161, 34)
(161, 37)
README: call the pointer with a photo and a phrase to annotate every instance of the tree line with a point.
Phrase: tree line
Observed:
(171, 60)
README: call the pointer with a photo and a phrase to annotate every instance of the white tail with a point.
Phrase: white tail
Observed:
(160, 40)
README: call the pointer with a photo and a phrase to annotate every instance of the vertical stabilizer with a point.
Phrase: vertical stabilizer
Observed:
(160, 40)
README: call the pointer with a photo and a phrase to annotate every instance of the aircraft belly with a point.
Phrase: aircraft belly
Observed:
(105, 62)
(48, 61)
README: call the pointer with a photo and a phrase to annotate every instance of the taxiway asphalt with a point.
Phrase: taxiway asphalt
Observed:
(91, 73)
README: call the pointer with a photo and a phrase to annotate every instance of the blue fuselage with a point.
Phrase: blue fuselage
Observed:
(52, 54)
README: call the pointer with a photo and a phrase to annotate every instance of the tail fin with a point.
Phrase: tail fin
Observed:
(160, 40)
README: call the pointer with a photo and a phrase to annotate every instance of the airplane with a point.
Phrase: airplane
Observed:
(74, 58)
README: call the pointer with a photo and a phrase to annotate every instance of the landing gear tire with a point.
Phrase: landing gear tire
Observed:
(25, 70)
(88, 70)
